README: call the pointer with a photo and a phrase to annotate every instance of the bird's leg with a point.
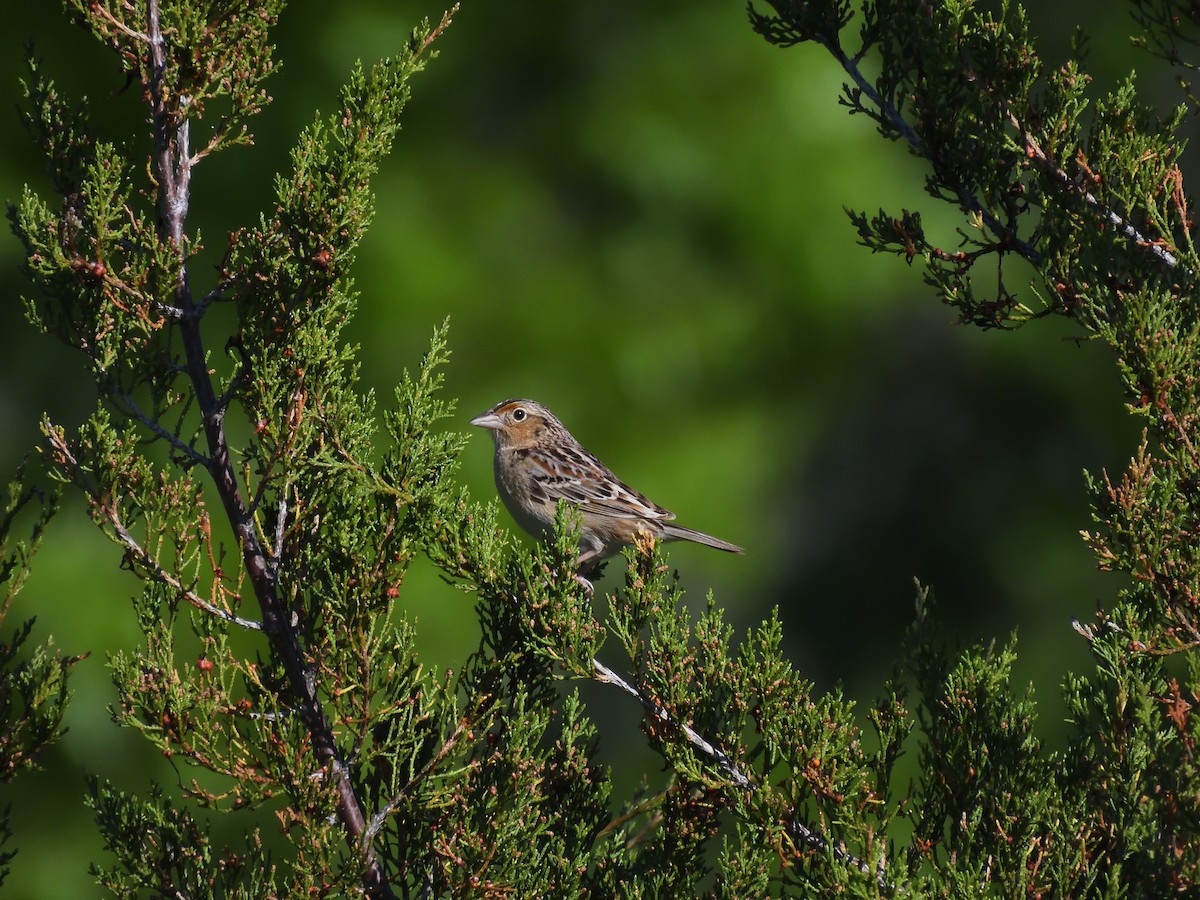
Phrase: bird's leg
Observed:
(590, 566)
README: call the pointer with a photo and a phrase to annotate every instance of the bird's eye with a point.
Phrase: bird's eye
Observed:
(518, 415)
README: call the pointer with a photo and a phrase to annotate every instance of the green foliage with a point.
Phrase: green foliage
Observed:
(162, 848)
(217, 51)
(274, 524)
(33, 680)
(1169, 32)
(1095, 207)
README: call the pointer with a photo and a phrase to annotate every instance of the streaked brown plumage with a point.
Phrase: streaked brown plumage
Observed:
(538, 463)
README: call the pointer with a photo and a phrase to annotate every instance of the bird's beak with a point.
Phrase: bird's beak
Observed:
(487, 420)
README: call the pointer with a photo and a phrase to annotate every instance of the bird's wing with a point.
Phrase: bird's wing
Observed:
(575, 475)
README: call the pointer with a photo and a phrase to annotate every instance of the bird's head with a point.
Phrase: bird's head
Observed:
(519, 423)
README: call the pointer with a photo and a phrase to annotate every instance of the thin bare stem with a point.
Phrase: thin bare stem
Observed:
(176, 442)
(605, 675)
(200, 306)
(1035, 151)
(280, 526)
(141, 557)
(135, 552)
(116, 23)
(381, 817)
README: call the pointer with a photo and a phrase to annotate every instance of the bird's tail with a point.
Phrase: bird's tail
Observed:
(673, 532)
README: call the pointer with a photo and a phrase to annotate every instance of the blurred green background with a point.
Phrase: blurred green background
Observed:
(634, 213)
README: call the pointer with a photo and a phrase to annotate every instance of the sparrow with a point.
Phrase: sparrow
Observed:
(538, 462)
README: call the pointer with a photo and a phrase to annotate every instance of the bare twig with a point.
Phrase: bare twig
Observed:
(605, 675)
(98, 9)
(167, 311)
(137, 553)
(164, 309)
(280, 524)
(841, 854)
(132, 408)
(1035, 150)
(200, 306)
(134, 551)
(267, 716)
(1088, 632)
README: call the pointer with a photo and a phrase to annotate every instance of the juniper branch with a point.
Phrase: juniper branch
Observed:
(173, 171)
(380, 818)
(135, 552)
(605, 675)
(1034, 149)
(143, 558)
(889, 116)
